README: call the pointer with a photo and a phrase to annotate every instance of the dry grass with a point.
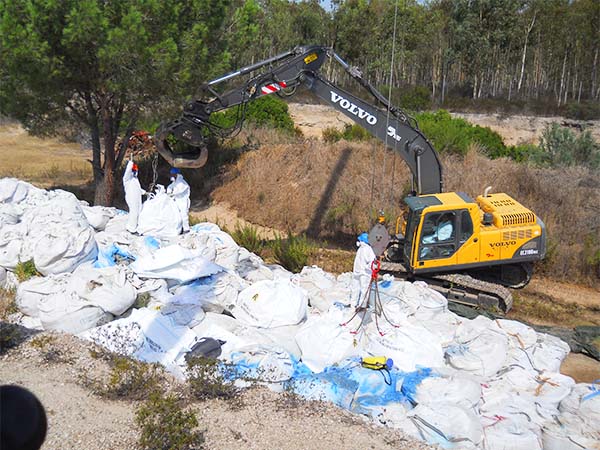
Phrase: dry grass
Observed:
(313, 187)
(326, 190)
(45, 162)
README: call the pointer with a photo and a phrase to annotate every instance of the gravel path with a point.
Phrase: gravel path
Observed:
(258, 419)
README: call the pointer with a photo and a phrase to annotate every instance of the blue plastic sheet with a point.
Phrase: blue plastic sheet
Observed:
(151, 242)
(349, 385)
(106, 256)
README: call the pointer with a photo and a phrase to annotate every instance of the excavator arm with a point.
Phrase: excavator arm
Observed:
(183, 142)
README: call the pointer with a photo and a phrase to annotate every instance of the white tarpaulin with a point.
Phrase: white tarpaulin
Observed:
(174, 263)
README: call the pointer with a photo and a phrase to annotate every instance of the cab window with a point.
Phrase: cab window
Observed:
(438, 235)
(466, 226)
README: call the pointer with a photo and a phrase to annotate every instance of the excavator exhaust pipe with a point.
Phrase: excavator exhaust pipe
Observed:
(181, 144)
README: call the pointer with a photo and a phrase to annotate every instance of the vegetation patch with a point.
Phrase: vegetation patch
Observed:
(209, 378)
(456, 135)
(10, 336)
(351, 132)
(165, 425)
(268, 111)
(26, 270)
(561, 147)
(248, 237)
(128, 379)
(292, 252)
(8, 304)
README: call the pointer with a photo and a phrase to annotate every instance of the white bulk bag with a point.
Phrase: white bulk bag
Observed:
(67, 312)
(408, 345)
(30, 292)
(13, 190)
(98, 216)
(448, 425)
(61, 248)
(106, 287)
(227, 250)
(508, 433)
(456, 390)
(323, 341)
(215, 293)
(270, 304)
(159, 216)
(480, 347)
(12, 246)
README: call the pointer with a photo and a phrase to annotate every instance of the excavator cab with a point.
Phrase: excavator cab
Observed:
(452, 232)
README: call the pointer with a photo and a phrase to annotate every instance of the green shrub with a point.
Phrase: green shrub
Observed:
(354, 132)
(583, 111)
(293, 252)
(417, 98)
(266, 111)
(351, 132)
(455, 135)
(331, 135)
(561, 147)
(164, 425)
(207, 380)
(128, 379)
(522, 152)
(247, 236)
(26, 270)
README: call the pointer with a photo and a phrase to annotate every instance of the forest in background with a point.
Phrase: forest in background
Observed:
(542, 52)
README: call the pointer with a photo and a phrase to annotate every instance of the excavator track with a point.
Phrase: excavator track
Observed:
(459, 288)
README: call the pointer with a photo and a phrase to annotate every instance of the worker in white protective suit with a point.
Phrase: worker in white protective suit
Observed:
(133, 195)
(179, 191)
(361, 275)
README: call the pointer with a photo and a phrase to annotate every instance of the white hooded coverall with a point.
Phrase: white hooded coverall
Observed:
(361, 275)
(133, 197)
(179, 190)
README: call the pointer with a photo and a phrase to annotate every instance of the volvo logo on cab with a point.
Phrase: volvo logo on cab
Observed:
(352, 108)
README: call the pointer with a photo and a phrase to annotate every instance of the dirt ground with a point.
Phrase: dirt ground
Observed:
(43, 161)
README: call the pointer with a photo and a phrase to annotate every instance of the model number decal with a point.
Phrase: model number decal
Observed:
(502, 244)
(529, 251)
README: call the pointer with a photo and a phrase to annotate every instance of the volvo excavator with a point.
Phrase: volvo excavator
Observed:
(471, 250)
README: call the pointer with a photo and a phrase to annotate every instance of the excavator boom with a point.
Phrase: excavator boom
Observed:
(286, 72)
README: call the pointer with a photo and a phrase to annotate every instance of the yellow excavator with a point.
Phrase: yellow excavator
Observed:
(471, 250)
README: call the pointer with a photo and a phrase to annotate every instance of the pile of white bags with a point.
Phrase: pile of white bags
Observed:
(460, 383)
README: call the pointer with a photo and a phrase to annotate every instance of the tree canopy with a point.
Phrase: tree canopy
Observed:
(100, 66)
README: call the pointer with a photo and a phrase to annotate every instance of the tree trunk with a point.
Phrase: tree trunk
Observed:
(594, 71)
(529, 28)
(562, 79)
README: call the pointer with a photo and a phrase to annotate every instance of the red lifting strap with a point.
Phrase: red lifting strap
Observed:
(375, 267)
